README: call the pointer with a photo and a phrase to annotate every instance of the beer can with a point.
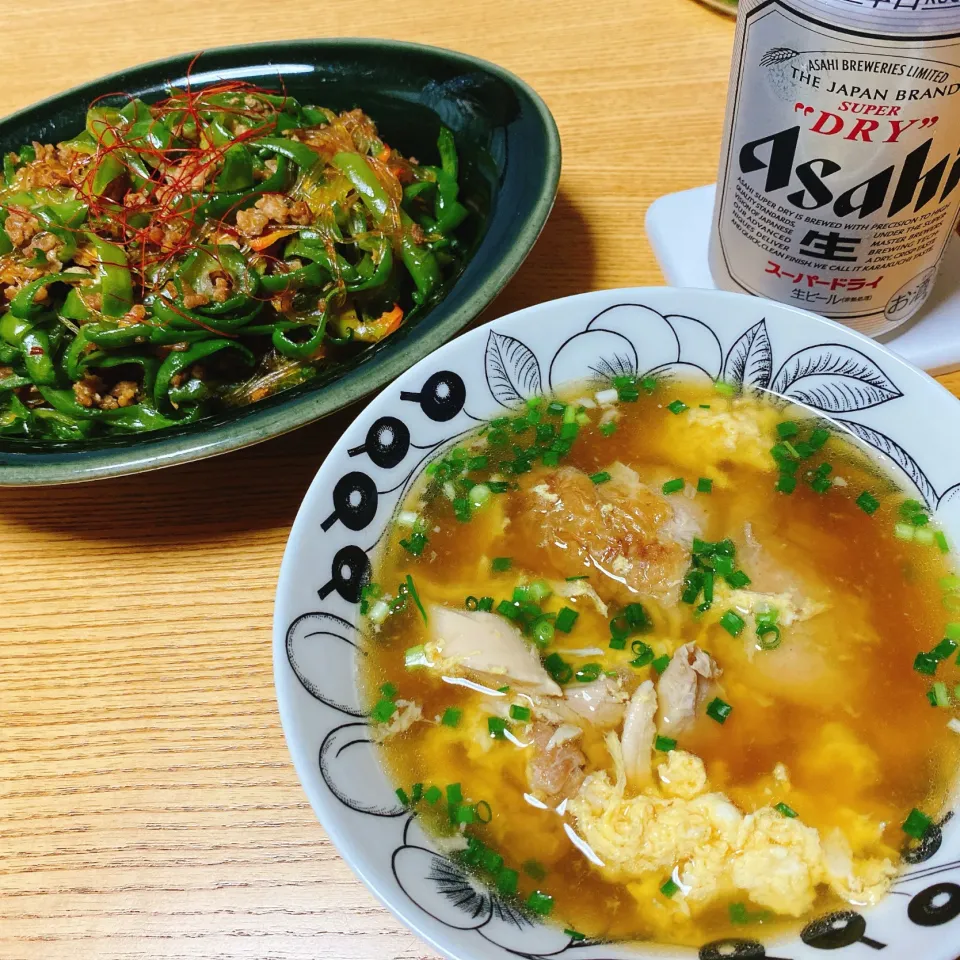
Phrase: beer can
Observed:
(839, 183)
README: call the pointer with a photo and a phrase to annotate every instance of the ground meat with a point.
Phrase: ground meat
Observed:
(251, 223)
(222, 285)
(48, 170)
(21, 228)
(193, 299)
(6, 372)
(91, 392)
(301, 213)
(274, 205)
(136, 314)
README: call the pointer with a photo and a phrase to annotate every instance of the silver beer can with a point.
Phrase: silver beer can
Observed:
(839, 183)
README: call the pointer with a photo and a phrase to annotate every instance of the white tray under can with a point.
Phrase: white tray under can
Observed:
(679, 229)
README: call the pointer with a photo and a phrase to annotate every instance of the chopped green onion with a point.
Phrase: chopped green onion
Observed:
(952, 631)
(941, 541)
(504, 689)
(491, 861)
(940, 696)
(539, 590)
(818, 438)
(451, 717)
(669, 889)
(637, 616)
(575, 935)
(485, 604)
(926, 664)
(609, 428)
(519, 713)
(868, 503)
(542, 632)
(479, 495)
(579, 576)
(497, 727)
(416, 597)
(540, 903)
(733, 623)
(738, 913)
(661, 663)
(786, 483)
(664, 744)
(673, 486)
(768, 636)
(787, 429)
(415, 544)
(643, 655)
(566, 618)
(558, 668)
(944, 649)
(454, 793)
(556, 408)
(708, 588)
(507, 882)
(402, 796)
(618, 643)
(383, 711)
(725, 389)
(719, 710)
(462, 813)
(785, 810)
(601, 477)
(917, 824)
(903, 531)
(509, 610)
(649, 383)
(432, 794)
(923, 535)
(501, 564)
(534, 869)
(737, 579)
(677, 407)
(415, 657)
(704, 485)
(620, 626)
(588, 672)
(389, 690)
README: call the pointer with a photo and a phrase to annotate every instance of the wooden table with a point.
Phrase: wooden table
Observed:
(148, 807)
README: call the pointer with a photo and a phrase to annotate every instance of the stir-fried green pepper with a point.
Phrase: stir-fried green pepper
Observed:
(206, 251)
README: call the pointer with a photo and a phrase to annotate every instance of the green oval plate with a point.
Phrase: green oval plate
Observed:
(510, 165)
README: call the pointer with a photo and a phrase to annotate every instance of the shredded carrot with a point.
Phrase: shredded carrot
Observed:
(391, 320)
(268, 239)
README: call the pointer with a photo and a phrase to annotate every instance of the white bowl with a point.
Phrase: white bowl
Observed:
(851, 380)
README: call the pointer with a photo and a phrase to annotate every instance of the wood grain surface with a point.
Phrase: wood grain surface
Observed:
(148, 808)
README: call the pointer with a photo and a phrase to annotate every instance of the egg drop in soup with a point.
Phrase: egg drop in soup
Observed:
(664, 662)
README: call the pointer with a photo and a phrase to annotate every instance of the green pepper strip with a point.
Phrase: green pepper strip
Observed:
(135, 418)
(355, 168)
(304, 350)
(177, 318)
(150, 365)
(215, 207)
(420, 262)
(5, 244)
(448, 152)
(380, 275)
(237, 172)
(115, 283)
(35, 350)
(24, 305)
(299, 153)
(76, 359)
(176, 361)
(220, 257)
(312, 275)
(9, 169)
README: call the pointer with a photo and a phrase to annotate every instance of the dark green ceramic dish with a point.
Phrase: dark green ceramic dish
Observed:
(510, 164)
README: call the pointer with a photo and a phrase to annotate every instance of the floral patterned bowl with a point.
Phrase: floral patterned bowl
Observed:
(855, 383)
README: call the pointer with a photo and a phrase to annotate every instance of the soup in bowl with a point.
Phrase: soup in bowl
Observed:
(637, 629)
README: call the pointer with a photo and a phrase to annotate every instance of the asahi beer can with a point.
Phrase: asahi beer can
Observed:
(839, 183)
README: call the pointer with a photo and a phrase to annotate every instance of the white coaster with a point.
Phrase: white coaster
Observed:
(679, 229)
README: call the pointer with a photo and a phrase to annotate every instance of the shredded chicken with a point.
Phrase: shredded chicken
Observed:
(555, 769)
(638, 733)
(683, 685)
(487, 646)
